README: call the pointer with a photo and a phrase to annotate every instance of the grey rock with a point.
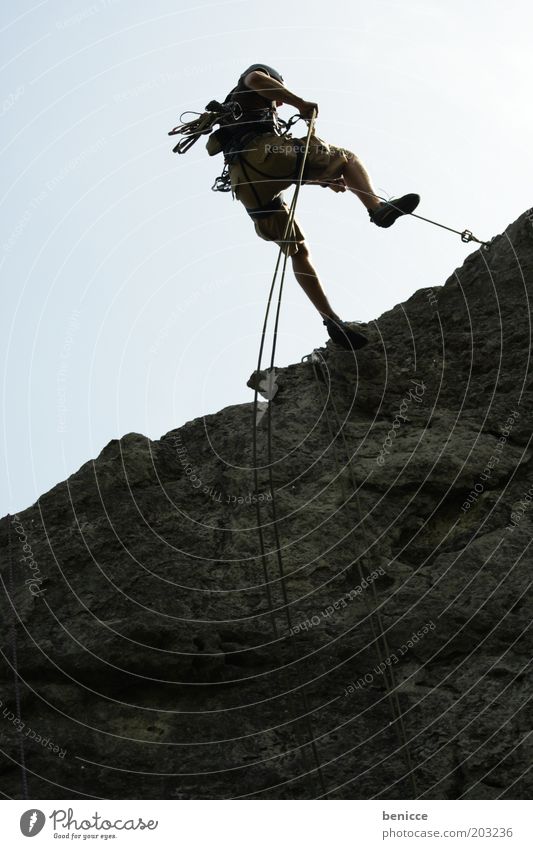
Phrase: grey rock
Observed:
(165, 657)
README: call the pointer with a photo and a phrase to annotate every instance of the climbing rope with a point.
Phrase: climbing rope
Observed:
(380, 638)
(13, 641)
(286, 607)
(466, 235)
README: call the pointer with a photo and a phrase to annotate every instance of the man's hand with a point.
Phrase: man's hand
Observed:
(306, 109)
(337, 185)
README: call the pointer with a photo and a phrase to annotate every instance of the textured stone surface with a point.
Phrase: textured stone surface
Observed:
(146, 648)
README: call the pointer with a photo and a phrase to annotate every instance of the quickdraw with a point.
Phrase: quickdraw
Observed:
(203, 124)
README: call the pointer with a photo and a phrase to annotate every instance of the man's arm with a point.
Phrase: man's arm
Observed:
(273, 90)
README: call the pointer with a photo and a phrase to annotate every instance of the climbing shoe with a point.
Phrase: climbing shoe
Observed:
(389, 210)
(344, 335)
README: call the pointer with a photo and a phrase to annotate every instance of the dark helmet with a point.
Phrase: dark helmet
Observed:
(270, 71)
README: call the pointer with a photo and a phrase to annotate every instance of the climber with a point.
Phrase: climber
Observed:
(263, 161)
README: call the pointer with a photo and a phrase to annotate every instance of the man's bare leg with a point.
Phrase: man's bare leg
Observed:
(358, 181)
(355, 177)
(307, 277)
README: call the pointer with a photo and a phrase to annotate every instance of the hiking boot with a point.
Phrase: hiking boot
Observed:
(344, 335)
(389, 210)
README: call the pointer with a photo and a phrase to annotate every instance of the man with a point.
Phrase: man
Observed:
(263, 163)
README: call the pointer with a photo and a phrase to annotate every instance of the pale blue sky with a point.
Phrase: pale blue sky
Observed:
(132, 295)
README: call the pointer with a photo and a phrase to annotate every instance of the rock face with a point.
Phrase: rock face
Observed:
(378, 647)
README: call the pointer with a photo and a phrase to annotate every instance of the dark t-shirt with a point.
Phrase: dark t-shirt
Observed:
(248, 98)
(258, 115)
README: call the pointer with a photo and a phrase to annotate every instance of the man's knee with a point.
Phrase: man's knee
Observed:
(351, 158)
(302, 251)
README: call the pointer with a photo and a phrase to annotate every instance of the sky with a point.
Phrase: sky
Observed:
(133, 295)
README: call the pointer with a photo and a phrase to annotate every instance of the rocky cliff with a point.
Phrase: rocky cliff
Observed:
(370, 640)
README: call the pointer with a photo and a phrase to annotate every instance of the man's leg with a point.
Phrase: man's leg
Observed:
(307, 277)
(382, 213)
(358, 181)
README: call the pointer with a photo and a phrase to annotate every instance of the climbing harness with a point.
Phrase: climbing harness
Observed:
(224, 113)
(380, 638)
(13, 641)
(223, 181)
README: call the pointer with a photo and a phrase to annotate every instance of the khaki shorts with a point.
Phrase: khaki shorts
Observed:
(268, 165)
